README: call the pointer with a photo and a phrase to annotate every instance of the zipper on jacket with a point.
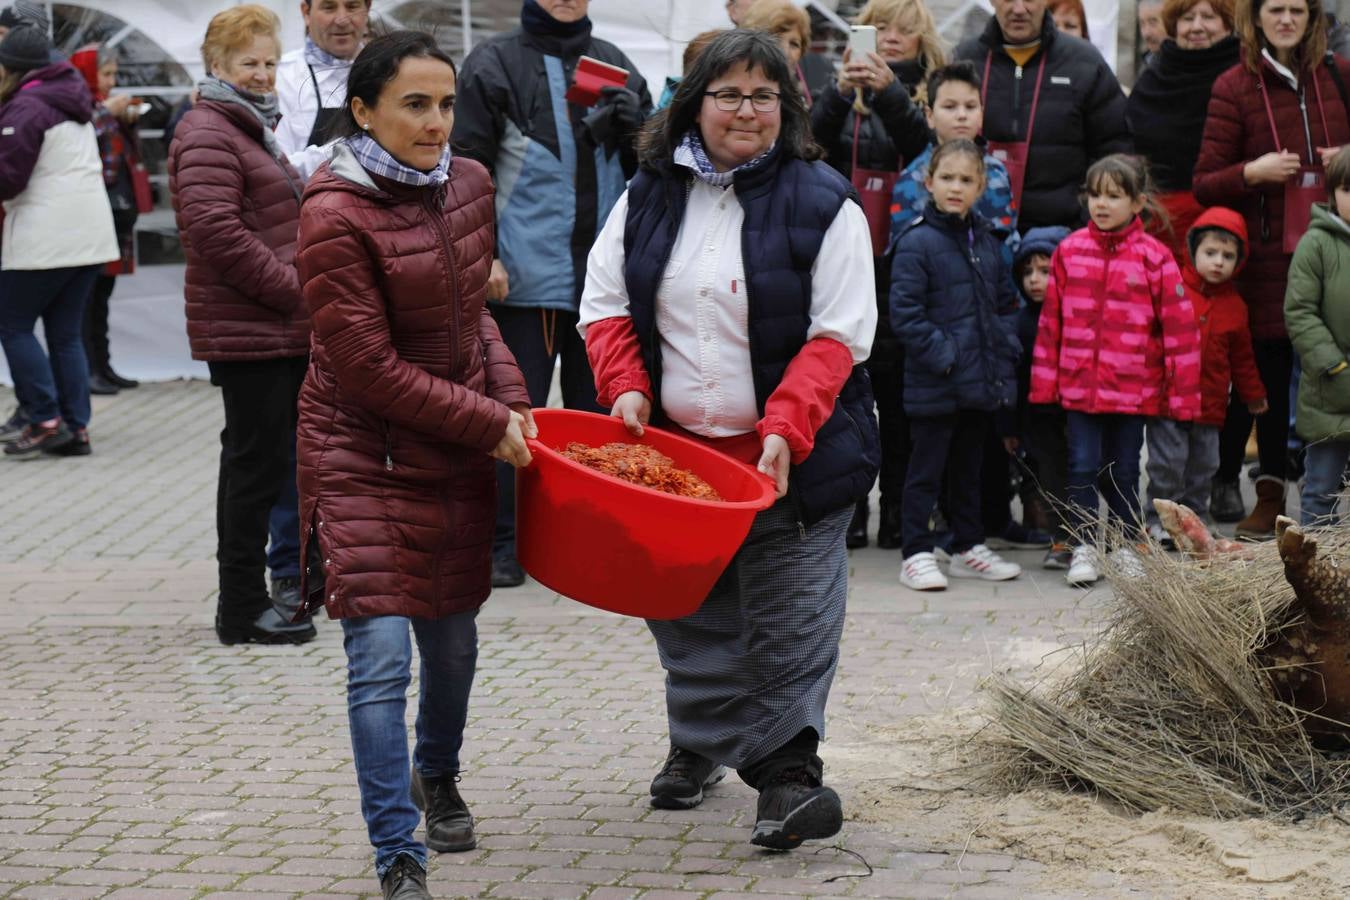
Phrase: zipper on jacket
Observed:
(1307, 131)
(388, 447)
(1017, 100)
(1110, 248)
(974, 261)
(444, 234)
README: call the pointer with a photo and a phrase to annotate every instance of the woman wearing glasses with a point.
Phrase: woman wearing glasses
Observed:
(758, 354)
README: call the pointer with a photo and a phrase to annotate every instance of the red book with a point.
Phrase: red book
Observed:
(592, 75)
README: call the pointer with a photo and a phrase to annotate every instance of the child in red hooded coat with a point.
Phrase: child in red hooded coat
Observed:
(1183, 456)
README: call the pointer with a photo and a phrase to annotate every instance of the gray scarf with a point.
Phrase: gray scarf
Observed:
(263, 107)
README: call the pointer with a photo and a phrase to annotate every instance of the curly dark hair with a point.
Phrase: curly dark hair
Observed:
(738, 47)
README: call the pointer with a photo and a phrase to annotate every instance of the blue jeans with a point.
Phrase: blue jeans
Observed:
(1323, 475)
(283, 527)
(1105, 448)
(379, 669)
(59, 386)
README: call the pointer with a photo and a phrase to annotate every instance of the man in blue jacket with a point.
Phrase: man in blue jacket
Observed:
(559, 168)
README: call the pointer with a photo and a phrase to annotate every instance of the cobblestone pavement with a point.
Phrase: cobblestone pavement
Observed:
(141, 759)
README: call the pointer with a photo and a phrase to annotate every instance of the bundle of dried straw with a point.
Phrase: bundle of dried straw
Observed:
(1172, 705)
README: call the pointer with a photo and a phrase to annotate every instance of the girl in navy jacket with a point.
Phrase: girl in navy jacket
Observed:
(954, 308)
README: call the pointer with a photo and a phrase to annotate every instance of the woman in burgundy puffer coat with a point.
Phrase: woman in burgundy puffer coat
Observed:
(1287, 86)
(410, 395)
(237, 201)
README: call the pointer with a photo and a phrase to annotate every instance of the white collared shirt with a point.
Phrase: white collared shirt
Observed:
(702, 315)
(298, 101)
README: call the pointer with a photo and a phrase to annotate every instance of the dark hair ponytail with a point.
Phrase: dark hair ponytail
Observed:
(376, 65)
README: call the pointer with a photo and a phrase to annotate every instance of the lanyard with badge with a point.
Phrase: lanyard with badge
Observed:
(1309, 184)
(1013, 154)
(874, 188)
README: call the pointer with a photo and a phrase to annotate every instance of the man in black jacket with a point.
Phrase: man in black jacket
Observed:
(558, 167)
(1080, 114)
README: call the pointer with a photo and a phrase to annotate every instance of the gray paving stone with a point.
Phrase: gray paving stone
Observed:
(139, 758)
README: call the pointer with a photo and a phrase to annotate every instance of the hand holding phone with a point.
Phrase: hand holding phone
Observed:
(862, 39)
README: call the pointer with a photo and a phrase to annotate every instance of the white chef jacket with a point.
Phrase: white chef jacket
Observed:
(299, 105)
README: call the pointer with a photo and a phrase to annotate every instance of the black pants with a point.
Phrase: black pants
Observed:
(539, 338)
(953, 444)
(96, 312)
(255, 448)
(995, 484)
(798, 753)
(96, 325)
(1047, 461)
(1275, 362)
(886, 368)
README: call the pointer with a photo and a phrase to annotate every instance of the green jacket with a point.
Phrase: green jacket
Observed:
(1317, 315)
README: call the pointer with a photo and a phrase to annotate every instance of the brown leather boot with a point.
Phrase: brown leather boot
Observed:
(1260, 523)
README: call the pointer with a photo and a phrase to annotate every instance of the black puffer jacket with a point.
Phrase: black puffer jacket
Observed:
(1081, 117)
(894, 133)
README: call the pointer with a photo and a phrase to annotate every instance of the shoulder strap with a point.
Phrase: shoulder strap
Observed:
(314, 80)
(1340, 84)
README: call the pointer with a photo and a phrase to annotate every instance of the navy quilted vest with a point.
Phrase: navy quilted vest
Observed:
(788, 204)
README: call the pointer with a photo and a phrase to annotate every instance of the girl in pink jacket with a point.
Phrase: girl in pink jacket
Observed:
(1118, 343)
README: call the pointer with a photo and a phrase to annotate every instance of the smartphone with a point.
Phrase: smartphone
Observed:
(862, 39)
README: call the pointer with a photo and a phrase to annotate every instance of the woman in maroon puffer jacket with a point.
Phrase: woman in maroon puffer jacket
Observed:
(1287, 86)
(410, 395)
(237, 201)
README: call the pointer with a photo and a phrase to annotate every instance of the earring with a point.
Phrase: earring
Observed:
(366, 126)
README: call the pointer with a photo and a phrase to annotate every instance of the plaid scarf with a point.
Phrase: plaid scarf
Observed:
(378, 161)
(317, 56)
(693, 157)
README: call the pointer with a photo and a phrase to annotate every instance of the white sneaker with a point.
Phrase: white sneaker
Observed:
(981, 562)
(1127, 562)
(921, 573)
(1083, 567)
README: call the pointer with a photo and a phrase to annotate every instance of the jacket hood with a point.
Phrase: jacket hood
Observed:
(61, 87)
(1225, 219)
(1324, 219)
(1041, 241)
(85, 61)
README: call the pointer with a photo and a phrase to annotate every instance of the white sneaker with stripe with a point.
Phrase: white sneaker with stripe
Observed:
(920, 572)
(982, 563)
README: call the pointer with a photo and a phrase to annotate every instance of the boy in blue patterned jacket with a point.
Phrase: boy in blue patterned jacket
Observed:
(955, 111)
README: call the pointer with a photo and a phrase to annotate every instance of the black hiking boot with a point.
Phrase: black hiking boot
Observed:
(683, 776)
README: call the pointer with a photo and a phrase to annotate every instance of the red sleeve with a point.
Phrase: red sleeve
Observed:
(805, 397)
(616, 359)
(504, 382)
(1242, 363)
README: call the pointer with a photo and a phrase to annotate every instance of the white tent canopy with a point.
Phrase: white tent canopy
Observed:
(651, 32)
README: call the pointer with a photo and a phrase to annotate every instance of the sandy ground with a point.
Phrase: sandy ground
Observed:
(921, 777)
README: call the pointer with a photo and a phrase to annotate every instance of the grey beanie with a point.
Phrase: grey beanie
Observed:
(24, 12)
(24, 49)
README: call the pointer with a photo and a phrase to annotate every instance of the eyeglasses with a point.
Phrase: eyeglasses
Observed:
(730, 100)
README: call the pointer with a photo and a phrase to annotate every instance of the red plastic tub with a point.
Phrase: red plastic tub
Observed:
(621, 547)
